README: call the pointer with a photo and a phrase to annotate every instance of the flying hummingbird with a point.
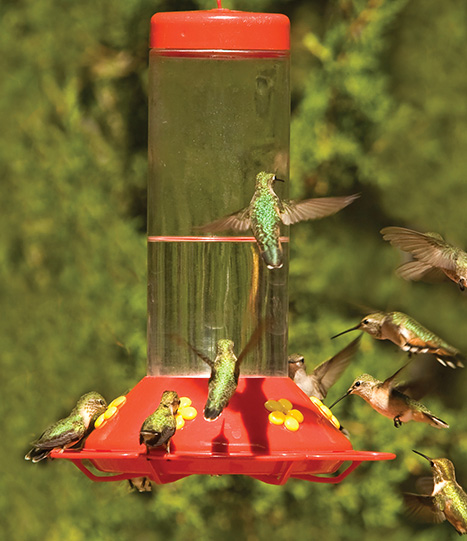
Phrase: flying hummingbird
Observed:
(388, 399)
(325, 374)
(70, 430)
(225, 371)
(160, 426)
(266, 212)
(446, 499)
(409, 335)
(434, 256)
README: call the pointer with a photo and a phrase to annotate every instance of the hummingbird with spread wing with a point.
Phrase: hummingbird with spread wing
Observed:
(266, 212)
(434, 257)
(323, 376)
(225, 371)
(445, 500)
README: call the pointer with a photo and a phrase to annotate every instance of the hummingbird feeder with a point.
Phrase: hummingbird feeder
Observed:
(219, 113)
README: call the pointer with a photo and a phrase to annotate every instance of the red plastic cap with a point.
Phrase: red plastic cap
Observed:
(220, 29)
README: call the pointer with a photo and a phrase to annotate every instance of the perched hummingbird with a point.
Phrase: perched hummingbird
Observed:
(325, 374)
(266, 212)
(388, 399)
(409, 335)
(70, 430)
(434, 256)
(446, 501)
(160, 426)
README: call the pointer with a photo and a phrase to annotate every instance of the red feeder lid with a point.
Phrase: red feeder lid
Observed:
(220, 29)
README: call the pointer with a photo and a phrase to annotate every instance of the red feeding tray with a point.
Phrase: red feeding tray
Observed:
(240, 441)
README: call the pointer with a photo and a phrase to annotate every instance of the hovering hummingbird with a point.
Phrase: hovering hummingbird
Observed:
(70, 430)
(446, 499)
(325, 374)
(160, 426)
(266, 212)
(388, 399)
(225, 371)
(409, 335)
(434, 256)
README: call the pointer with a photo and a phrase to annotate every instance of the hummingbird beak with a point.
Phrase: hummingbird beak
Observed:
(279, 179)
(430, 460)
(348, 330)
(339, 399)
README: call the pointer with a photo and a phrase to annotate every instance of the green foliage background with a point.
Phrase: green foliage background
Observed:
(379, 107)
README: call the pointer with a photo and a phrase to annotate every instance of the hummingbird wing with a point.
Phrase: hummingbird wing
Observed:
(412, 389)
(419, 270)
(312, 209)
(430, 248)
(237, 221)
(155, 437)
(64, 432)
(252, 341)
(424, 507)
(202, 356)
(425, 485)
(390, 382)
(328, 372)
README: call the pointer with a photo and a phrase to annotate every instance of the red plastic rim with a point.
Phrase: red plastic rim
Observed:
(220, 29)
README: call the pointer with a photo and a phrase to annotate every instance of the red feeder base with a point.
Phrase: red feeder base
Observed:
(240, 441)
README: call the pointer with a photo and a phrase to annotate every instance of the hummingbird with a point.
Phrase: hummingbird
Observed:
(70, 430)
(387, 398)
(325, 374)
(160, 426)
(141, 484)
(225, 371)
(446, 500)
(266, 212)
(434, 256)
(409, 335)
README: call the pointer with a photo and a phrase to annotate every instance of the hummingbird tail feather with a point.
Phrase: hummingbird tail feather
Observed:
(36, 455)
(451, 361)
(272, 257)
(211, 413)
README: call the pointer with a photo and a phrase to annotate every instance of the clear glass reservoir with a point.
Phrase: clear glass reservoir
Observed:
(216, 119)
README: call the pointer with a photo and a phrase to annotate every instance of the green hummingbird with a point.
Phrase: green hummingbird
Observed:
(225, 371)
(387, 398)
(70, 430)
(325, 374)
(160, 426)
(409, 335)
(434, 257)
(266, 212)
(446, 499)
